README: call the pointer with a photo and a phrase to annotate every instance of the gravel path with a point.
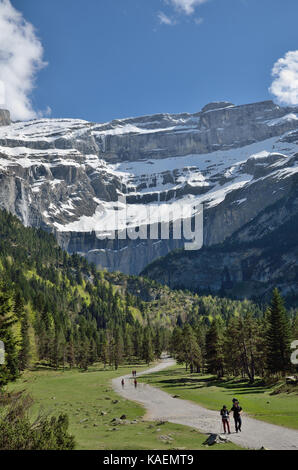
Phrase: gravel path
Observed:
(162, 406)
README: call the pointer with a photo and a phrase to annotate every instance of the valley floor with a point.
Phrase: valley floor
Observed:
(255, 433)
(91, 404)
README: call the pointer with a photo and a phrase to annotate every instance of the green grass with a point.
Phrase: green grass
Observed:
(84, 395)
(281, 409)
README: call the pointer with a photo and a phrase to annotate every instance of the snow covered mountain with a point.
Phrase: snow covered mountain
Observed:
(66, 175)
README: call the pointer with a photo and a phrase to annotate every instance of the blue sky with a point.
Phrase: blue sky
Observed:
(110, 59)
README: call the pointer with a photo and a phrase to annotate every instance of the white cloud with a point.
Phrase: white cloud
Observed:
(164, 19)
(285, 83)
(186, 6)
(21, 57)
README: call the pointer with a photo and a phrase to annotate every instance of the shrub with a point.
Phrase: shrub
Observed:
(18, 432)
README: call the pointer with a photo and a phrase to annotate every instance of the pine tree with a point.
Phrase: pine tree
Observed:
(200, 333)
(104, 351)
(157, 344)
(128, 344)
(214, 350)
(191, 352)
(110, 348)
(9, 370)
(137, 339)
(82, 354)
(58, 349)
(176, 343)
(45, 335)
(24, 353)
(92, 356)
(248, 334)
(118, 352)
(231, 347)
(278, 336)
(70, 354)
(147, 349)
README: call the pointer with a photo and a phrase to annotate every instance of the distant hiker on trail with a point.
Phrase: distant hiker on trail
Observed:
(225, 416)
(237, 410)
(136, 383)
(134, 373)
(122, 383)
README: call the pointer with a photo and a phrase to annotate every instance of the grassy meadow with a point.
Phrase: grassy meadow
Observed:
(255, 399)
(91, 404)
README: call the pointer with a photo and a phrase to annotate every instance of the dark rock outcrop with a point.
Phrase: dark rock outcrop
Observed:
(4, 117)
(261, 255)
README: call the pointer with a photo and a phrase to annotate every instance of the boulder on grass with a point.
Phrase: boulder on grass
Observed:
(116, 421)
(215, 439)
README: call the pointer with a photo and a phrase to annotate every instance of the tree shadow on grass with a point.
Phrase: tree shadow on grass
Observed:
(243, 386)
(192, 383)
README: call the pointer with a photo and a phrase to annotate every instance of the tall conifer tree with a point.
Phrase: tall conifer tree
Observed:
(278, 336)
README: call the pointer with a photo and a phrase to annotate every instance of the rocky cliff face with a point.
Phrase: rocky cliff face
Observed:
(4, 117)
(262, 255)
(66, 175)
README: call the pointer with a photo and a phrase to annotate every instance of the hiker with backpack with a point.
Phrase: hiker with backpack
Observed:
(225, 416)
(237, 410)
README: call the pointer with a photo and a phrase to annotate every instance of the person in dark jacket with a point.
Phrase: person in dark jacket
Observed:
(237, 410)
(225, 416)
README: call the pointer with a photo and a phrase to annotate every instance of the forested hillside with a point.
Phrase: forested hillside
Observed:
(59, 310)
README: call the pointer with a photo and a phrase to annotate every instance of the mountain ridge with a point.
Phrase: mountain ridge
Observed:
(66, 175)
